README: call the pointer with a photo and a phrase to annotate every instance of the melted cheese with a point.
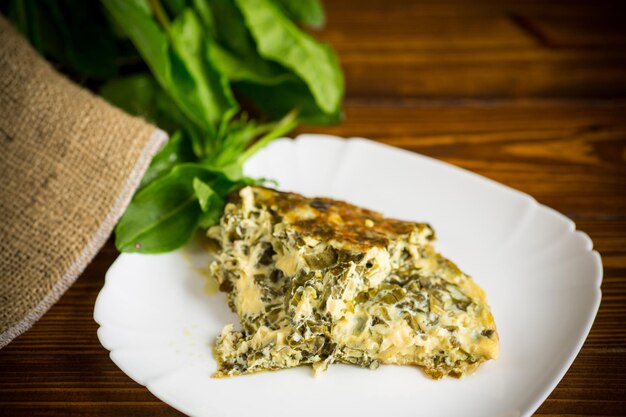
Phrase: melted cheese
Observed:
(249, 299)
(288, 263)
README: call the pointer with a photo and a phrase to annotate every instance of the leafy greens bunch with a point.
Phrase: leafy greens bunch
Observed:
(179, 63)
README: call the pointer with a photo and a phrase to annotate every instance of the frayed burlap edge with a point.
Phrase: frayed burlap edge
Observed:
(156, 141)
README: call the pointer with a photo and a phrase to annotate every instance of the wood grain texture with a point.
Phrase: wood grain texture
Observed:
(531, 94)
(480, 49)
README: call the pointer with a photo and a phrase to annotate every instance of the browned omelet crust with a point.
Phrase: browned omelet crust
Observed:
(326, 219)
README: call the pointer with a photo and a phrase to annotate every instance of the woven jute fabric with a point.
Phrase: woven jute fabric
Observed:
(69, 164)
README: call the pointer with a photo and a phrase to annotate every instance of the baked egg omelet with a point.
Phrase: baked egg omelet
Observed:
(318, 281)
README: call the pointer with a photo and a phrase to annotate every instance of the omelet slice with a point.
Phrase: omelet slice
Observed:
(318, 281)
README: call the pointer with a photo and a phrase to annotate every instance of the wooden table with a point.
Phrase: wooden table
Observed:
(530, 94)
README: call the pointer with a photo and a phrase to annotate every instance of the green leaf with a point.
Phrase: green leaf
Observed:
(279, 39)
(175, 152)
(277, 101)
(284, 126)
(234, 51)
(151, 42)
(204, 192)
(163, 215)
(211, 217)
(210, 203)
(135, 94)
(196, 79)
(203, 8)
(240, 133)
(231, 29)
(308, 12)
(241, 69)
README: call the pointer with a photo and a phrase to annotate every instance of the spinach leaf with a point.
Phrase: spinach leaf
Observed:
(278, 100)
(241, 134)
(163, 216)
(135, 19)
(231, 30)
(195, 78)
(281, 128)
(205, 13)
(175, 152)
(280, 40)
(308, 12)
(245, 69)
(234, 51)
(210, 203)
(135, 94)
(204, 193)
(243, 131)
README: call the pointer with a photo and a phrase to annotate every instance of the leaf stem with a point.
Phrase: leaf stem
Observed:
(285, 125)
(160, 14)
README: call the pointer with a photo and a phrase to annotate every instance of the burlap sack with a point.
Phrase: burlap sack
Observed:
(69, 164)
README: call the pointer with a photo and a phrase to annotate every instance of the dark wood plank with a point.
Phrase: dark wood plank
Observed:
(594, 385)
(486, 74)
(480, 49)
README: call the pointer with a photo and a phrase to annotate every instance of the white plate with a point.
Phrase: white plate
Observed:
(542, 280)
